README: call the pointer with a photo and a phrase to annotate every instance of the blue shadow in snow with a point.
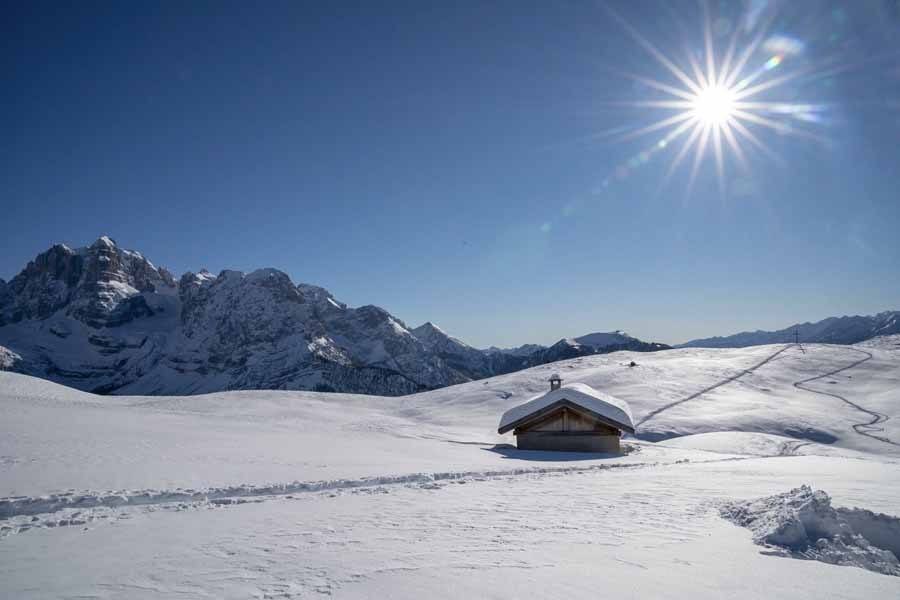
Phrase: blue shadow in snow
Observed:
(508, 451)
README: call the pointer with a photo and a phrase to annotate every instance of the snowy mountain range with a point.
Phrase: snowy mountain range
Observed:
(833, 330)
(107, 320)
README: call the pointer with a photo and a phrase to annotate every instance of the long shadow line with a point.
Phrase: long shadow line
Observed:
(726, 381)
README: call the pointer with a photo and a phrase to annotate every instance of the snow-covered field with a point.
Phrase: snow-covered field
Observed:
(300, 494)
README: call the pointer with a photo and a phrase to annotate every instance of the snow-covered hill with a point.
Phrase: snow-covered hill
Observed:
(265, 436)
(833, 330)
(255, 493)
(107, 320)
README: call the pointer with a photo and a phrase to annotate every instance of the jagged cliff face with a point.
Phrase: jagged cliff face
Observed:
(465, 361)
(265, 332)
(101, 286)
(106, 319)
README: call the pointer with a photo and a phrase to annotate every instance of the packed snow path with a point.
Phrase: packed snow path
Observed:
(24, 506)
(718, 384)
(868, 428)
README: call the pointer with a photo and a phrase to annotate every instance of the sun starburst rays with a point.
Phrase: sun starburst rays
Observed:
(718, 103)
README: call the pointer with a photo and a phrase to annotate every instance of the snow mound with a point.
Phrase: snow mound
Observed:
(802, 523)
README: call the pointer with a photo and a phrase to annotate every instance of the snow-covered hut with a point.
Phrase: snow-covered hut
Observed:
(574, 418)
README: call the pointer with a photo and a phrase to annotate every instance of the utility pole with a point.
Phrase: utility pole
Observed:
(797, 340)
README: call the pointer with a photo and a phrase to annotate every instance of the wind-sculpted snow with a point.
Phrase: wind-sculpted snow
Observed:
(803, 524)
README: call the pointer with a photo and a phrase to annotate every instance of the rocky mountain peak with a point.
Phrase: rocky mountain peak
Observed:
(523, 350)
(99, 285)
(320, 297)
(602, 339)
(277, 281)
(43, 286)
(104, 241)
(436, 338)
(428, 329)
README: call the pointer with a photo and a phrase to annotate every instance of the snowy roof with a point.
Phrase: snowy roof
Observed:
(603, 406)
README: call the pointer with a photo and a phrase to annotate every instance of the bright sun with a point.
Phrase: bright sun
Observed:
(718, 103)
(714, 105)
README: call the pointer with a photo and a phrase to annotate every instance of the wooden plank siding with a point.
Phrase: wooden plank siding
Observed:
(565, 428)
(566, 419)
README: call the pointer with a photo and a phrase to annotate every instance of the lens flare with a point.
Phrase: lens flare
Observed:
(721, 104)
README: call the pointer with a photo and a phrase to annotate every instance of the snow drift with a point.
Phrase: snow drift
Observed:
(803, 524)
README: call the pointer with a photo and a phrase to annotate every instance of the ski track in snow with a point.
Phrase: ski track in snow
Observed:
(657, 532)
(866, 428)
(40, 508)
(726, 381)
(35, 505)
(77, 507)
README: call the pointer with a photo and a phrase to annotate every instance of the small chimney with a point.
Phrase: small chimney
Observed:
(555, 382)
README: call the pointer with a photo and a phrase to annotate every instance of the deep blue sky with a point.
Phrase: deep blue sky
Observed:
(448, 161)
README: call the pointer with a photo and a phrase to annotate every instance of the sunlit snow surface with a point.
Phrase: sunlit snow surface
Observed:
(295, 494)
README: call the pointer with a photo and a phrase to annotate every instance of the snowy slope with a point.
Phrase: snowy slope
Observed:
(248, 494)
(259, 437)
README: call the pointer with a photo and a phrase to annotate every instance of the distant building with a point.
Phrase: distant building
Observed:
(573, 418)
